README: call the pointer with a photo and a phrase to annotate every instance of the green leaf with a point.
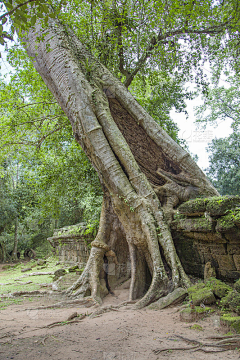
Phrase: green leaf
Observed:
(33, 20)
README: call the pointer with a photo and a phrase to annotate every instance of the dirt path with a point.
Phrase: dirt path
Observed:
(125, 334)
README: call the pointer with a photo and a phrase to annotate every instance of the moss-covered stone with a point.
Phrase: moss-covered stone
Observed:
(237, 285)
(200, 224)
(201, 294)
(220, 205)
(218, 287)
(73, 268)
(58, 273)
(226, 223)
(232, 301)
(196, 287)
(190, 315)
(232, 322)
(194, 207)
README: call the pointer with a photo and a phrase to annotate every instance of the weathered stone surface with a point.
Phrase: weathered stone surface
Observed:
(191, 315)
(206, 237)
(225, 262)
(200, 294)
(231, 322)
(233, 249)
(219, 288)
(173, 298)
(220, 205)
(233, 237)
(200, 224)
(228, 275)
(209, 271)
(26, 269)
(220, 249)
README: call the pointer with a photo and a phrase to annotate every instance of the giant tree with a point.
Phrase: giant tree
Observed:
(143, 172)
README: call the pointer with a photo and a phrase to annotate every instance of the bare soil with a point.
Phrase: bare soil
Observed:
(123, 334)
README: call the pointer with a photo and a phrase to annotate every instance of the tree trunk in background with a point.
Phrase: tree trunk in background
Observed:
(144, 173)
(14, 253)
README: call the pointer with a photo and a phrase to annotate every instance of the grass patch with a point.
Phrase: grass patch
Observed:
(11, 275)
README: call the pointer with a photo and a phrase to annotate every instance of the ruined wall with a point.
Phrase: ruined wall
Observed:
(71, 244)
(203, 230)
(209, 230)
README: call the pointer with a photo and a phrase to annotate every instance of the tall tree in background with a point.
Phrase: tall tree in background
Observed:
(141, 169)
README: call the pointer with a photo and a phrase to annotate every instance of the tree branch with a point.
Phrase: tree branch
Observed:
(155, 41)
(14, 9)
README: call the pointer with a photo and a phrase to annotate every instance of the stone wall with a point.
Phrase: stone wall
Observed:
(71, 244)
(204, 230)
(209, 230)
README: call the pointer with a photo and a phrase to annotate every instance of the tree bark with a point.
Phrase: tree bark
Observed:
(144, 173)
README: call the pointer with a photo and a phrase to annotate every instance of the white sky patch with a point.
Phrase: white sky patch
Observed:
(196, 137)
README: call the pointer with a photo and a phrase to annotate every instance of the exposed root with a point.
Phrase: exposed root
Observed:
(103, 310)
(224, 344)
(65, 322)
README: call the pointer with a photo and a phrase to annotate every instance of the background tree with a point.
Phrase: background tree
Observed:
(222, 104)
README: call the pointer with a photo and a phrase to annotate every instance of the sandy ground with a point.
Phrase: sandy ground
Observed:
(123, 334)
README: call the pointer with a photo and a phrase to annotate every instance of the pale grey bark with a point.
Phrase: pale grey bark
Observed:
(78, 81)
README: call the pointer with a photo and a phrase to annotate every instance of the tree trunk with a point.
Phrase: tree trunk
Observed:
(144, 173)
(14, 253)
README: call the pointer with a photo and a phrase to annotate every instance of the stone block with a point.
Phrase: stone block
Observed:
(228, 275)
(220, 205)
(225, 224)
(190, 315)
(187, 250)
(200, 224)
(206, 237)
(201, 296)
(208, 257)
(193, 207)
(236, 259)
(193, 268)
(225, 262)
(218, 249)
(233, 249)
(233, 237)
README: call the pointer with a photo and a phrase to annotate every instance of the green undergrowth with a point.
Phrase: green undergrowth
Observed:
(14, 276)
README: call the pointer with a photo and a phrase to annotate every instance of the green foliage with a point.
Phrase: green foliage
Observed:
(222, 102)
(19, 15)
(224, 169)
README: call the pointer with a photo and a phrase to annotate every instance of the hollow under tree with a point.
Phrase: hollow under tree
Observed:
(143, 172)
